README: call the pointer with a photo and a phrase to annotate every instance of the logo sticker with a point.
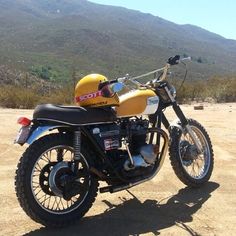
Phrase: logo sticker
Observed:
(111, 144)
(88, 96)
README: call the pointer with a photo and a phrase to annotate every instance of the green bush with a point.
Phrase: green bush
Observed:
(44, 72)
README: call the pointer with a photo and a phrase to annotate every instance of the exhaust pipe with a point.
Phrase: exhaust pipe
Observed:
(158, 165)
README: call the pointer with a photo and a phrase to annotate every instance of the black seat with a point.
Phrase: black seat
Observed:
(73, 115)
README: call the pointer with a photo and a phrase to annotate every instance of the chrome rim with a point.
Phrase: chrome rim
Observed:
(46, 197)
(196, 165)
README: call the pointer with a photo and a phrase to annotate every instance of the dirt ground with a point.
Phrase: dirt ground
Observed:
(161, 206)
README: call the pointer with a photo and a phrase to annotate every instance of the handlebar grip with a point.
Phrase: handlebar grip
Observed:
(173, 60)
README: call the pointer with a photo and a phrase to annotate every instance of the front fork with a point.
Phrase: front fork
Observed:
(186, 126)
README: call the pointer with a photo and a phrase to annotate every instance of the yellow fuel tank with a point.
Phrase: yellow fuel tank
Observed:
(137, 102)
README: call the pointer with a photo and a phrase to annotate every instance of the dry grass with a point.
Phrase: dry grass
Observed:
(217, 89)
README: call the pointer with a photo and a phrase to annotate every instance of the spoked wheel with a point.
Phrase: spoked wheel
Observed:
(54, 185)
(51, 187)
(191, 166)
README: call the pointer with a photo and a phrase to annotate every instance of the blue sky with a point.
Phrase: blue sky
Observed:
(218, 16)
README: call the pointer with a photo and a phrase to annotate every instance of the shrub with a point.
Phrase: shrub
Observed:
(18, 97)
(27, 98)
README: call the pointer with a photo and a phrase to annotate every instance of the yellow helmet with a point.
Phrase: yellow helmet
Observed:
(87, 92)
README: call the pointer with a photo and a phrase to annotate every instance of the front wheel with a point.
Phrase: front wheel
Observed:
(46, 185)
(192, 167)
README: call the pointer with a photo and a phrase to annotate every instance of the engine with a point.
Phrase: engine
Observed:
(140, 153)
(126, 143)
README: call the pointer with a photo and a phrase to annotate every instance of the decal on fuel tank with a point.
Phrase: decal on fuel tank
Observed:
(152, 105)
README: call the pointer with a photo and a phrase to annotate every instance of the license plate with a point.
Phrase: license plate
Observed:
(23, 135)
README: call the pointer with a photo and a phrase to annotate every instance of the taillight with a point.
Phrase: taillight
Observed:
(24, 121)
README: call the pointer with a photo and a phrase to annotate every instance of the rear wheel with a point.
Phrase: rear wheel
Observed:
(191, 167)
(46, 185)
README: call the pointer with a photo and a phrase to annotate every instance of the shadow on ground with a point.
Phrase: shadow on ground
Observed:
(133, 217)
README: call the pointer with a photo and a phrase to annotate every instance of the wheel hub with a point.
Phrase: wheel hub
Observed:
(188, 152)
(44, 178)
(59, 176)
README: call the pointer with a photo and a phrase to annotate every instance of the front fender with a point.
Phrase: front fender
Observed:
(39, 131)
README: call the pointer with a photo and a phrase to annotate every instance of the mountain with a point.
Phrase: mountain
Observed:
(61, 36)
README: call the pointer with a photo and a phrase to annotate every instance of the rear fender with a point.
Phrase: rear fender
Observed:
(39, 131)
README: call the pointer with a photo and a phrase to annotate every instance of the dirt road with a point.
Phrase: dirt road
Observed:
(161, 206)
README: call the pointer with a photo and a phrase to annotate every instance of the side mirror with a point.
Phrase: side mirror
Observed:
(117, 87)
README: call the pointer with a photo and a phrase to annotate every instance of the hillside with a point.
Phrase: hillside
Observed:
(59, 36)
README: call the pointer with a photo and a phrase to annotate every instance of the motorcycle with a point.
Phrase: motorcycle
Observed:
(107, 138)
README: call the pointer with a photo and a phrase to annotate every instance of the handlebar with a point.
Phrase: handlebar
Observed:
(170, 62)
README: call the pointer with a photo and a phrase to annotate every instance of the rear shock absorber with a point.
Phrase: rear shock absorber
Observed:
(77, 144)
(77, 150)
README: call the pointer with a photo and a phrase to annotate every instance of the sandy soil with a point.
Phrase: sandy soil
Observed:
(161, 206)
